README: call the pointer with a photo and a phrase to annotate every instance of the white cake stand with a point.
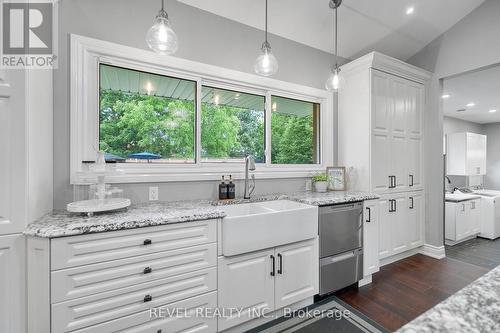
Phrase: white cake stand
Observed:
(90, 207)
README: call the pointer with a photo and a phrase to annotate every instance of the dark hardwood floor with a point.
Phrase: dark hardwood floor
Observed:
(403, 290)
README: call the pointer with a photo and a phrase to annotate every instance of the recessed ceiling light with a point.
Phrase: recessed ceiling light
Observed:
(410, 10)
(445, 96)
(470, 105)
(493, 111)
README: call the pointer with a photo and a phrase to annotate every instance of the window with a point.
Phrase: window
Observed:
(295, 130)
(172, 119)
(146, 117)
(232, 125)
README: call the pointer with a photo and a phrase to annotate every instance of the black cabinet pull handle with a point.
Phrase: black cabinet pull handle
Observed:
(411, 206)
(273, 263)
(411, 180)
(395, 205)
(390, 181)
(369, 219)
(280, 269)
(147, 242)
(148, 298)
(148, 270)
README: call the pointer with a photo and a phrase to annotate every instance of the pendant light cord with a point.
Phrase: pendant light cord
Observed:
(336, 31)
(162, 5)
(266, 22)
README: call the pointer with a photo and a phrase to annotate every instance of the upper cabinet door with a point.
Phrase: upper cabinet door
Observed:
(414, 110)
(381, 102)
(399, 89)
(415, 165)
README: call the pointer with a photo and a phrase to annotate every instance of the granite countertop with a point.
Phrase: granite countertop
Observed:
(61, 223)
(474, 309)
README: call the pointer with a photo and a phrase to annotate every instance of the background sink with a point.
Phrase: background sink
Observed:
(261, 225)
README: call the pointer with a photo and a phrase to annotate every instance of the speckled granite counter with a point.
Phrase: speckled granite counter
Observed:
(60, 224)
(474, 309)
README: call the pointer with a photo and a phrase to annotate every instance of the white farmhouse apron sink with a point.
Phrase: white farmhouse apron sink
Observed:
(255, 226)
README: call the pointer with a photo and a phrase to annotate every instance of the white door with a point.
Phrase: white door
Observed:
(385, 230)
(482, 150)
(399, 162)
(461, 220)
(12, 278)
(414, 163)
(414, 109)
(246, 281)
(370, 237)
(475, 216)
(381, 128)
(13, 157)
(297, 272)
(415, 219)
(398, 223)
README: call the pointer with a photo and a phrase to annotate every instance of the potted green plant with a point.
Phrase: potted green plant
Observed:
(320, 181)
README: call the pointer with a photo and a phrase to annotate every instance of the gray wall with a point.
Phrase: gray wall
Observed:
(492, 178)
(470, 44)
(203, 37)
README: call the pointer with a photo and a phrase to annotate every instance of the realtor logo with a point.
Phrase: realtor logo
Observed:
(28, 34)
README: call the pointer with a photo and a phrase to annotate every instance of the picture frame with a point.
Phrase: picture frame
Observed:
(337, 178)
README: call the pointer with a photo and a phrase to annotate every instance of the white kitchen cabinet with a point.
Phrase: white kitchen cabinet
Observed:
(246, 281)
(382, 101)
(267, 280)
(401, 222)
(296, 272)
(107, 282)
(371, 260)
(466, 154)
(398, 216)
(462, 220)
(415, 218)
(12, 287)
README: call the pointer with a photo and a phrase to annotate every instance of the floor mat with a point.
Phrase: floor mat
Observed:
(329, 315)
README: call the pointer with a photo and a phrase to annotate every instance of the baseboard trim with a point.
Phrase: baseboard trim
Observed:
(364, 281)
(452, 242)
(433, 251)
(399, 256)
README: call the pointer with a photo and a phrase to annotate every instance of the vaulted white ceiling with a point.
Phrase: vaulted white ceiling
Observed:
(364, 25)
(481, 88)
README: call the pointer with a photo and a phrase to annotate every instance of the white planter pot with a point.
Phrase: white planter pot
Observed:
(321, 187)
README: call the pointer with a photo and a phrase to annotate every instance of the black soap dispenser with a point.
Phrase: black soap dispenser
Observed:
(223, 189)
(231, 188)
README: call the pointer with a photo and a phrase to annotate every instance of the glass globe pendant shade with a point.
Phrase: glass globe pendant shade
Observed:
(333, 81)
(266, 63)
(161, 38)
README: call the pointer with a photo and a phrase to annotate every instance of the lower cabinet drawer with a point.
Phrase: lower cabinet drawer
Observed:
(87, 313)
(93, 248)
(97, 278)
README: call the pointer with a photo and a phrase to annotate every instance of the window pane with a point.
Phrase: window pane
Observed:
(294, 131)
(146, 117)
(232, 125)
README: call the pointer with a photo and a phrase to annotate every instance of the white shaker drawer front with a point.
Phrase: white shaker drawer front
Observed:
(146, 322)
(93, 310)
(97, 278)
(93, 248)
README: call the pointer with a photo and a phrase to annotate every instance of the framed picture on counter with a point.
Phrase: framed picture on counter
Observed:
(336, 177)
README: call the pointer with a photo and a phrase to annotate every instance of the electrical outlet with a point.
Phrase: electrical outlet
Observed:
(153, 193)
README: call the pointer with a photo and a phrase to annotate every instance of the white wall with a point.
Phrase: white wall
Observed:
(492, 178)
(203, 37)
(470, 44)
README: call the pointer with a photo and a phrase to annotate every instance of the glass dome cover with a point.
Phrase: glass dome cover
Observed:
(161, 38)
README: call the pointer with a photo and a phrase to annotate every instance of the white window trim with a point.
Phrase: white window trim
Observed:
(87, 53)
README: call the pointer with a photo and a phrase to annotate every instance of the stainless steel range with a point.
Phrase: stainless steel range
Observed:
(341, 246)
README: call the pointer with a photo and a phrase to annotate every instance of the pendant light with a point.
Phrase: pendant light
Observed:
(333, 81)
(266, 63)
(160, 37)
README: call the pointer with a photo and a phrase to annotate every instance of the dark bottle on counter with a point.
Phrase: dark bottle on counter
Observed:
(231, 188)
(223, 189)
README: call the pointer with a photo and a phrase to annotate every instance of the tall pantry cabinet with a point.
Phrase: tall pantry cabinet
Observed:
(380, 121)
(25, 180)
